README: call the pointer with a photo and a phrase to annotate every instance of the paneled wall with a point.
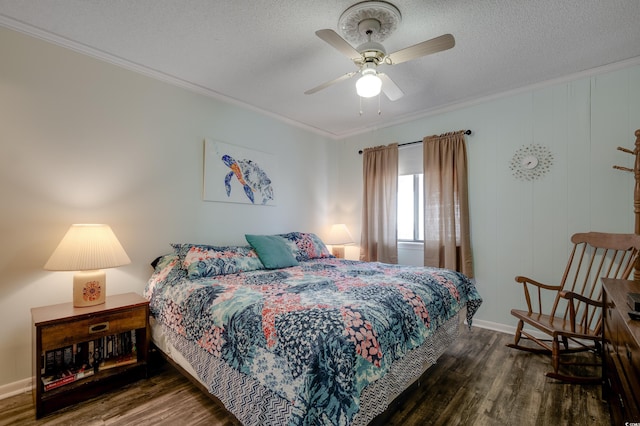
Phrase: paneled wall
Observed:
(523, 227)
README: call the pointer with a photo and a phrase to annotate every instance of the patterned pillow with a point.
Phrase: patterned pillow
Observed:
(208, 261)
(167, 270)
(306, 246)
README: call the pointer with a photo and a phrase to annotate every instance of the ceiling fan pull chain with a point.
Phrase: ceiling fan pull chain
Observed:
(379, 110)
(360, 99)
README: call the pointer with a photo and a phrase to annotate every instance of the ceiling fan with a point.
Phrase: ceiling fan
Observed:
(369, 23)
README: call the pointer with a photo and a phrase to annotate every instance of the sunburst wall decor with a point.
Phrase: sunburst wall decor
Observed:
(531, 162)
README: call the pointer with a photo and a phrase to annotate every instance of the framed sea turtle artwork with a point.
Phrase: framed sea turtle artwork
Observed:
(237, 174)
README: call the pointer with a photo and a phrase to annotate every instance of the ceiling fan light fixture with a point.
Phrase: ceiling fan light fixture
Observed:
(369, 85)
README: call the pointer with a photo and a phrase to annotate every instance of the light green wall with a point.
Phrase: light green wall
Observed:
(523, 228)
(85, 141)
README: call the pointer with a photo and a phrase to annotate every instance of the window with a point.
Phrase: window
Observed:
(410, 208)
(410, 194)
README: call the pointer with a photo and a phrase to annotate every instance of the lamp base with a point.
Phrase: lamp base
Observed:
(89, 288)
(338, 251)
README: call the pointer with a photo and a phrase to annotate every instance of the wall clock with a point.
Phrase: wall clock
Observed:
(531, 162)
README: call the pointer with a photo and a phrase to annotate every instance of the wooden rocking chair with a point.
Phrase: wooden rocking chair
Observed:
(577, 307)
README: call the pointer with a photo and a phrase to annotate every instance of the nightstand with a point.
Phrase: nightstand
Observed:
(80, 353)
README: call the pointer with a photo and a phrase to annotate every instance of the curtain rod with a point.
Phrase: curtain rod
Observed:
(466, 132)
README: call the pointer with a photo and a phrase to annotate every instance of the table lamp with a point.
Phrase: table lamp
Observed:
(339, 236)
(88, 249)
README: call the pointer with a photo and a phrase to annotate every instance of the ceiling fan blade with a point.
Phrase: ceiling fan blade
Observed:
(428, 47)
(329, 83)
(390, 88)
(339, 43)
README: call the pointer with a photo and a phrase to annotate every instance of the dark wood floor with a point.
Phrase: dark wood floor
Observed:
(478, 381)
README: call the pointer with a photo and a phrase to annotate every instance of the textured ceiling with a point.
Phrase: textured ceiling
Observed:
(264, 54)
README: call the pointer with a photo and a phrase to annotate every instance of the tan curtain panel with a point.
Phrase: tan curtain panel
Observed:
(379, 242)
(447, 241)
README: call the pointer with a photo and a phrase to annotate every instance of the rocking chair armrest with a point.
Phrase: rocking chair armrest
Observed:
(535, 303)
(569, 295)
(573, 318)
(526, 280)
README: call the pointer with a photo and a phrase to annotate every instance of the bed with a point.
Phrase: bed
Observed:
(283, 333)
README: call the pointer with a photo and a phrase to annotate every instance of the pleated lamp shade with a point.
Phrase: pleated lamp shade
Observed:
(88, 248)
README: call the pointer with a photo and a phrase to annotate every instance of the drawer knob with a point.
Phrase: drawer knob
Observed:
(97, 328)
(621, 401)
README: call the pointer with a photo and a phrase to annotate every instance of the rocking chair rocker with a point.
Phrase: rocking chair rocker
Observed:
(576, 314)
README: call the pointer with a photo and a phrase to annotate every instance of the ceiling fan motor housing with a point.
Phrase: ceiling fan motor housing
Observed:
(372, 51)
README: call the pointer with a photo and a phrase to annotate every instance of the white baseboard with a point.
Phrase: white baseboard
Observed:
(507, 329)
(16, 388)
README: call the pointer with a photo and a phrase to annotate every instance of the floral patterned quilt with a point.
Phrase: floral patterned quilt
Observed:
(313, 335)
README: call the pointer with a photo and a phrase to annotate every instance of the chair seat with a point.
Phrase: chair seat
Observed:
(553, 326)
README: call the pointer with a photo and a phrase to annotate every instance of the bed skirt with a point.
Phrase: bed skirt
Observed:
(253, 404)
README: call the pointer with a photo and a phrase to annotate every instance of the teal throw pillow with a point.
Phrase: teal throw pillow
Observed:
(272, 251)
